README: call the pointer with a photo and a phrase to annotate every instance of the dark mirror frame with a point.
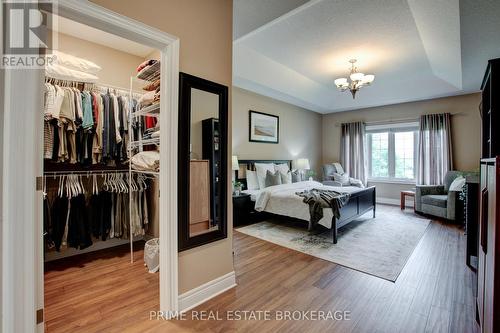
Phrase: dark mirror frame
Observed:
(186, 82)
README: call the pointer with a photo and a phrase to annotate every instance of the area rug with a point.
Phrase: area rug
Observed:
(379, 246)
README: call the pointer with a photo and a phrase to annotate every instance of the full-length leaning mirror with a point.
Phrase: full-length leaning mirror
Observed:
(202, 161)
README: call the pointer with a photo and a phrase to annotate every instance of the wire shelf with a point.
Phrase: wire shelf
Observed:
(151, 73)
(151, 111)
(153, 141)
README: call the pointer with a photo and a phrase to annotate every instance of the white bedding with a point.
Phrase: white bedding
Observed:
(282, 200)
(253, 194)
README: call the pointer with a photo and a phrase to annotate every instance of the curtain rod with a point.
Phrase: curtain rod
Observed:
(395, 121)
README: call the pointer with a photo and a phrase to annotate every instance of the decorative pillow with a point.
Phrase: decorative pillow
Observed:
(273, 178)
(286, 178)
(339, 168)
(284, 168)
(296, 176)
(356, 182)
(261, 169)
(252, 182)
(457, 184)
(342, 179)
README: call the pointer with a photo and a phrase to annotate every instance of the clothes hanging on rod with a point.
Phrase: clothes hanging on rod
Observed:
(83, 209)
(83, 124)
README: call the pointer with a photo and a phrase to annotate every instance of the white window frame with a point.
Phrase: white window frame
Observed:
(391, 129)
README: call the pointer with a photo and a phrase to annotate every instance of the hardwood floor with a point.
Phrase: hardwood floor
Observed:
(432, 294)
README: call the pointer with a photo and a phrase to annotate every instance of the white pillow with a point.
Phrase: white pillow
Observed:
(283, 168)
(338, 168)
(261, 169)
(457, 184)
(341, 178)
(286, 177)
(252, 182)
(64, 73)
(75, 63)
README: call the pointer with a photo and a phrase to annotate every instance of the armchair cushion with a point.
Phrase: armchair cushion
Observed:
(328, 171)
(449, 178)
(423, 190)
(438, 200)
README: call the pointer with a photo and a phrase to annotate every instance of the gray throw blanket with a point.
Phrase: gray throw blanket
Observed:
(318, 199)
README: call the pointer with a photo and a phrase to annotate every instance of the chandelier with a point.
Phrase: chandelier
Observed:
(357, 80)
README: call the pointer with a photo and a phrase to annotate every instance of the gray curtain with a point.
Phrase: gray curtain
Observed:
(352, 150)
(434, 149)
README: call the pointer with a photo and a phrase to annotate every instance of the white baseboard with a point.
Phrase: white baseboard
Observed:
(395, 202)
(203, 293)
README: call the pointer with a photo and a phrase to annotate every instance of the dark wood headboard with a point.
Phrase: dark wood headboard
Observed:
(250, 165)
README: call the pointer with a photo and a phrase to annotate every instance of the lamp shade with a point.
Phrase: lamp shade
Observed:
(342, 82)
(367, 79)
(357, 76)
(302, 164)
(235, 164)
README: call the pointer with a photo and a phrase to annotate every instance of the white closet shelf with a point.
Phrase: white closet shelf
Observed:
(151, 111)
(153, 141)
(150, 74)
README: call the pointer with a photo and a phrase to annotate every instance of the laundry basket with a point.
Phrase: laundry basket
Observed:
(152, 255)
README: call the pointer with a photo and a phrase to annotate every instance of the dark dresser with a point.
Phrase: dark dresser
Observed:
(471, 217)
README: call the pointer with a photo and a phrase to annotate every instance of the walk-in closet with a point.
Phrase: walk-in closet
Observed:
(101, 154)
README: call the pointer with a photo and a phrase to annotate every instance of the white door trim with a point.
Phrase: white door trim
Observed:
(22, 246)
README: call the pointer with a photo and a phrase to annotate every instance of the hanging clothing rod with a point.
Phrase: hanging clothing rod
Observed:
(91, 85)
(89, 172)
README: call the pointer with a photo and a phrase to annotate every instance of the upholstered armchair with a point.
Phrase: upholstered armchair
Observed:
(437, 200)
(328, 171)
(334, 175)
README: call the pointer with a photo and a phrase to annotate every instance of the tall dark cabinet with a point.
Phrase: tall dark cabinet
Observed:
(488, 271)
(211, 152)
(490, 110)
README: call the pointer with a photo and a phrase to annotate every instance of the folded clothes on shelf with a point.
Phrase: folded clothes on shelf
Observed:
(146, 161)
(152, 86)
(147, 98)
(146, 64)
(148, 133)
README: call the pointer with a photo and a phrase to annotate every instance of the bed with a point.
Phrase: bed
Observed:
(281, 200)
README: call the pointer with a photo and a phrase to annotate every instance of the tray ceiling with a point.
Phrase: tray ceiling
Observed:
(418, 49)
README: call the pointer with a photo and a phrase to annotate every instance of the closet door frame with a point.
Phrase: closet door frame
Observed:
(21, 219)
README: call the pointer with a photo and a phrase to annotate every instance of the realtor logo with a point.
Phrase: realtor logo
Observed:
(27, 33)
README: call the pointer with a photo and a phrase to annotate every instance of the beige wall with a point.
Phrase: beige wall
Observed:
(300, 130)
(465, 124)
(117, 66)
(205, 32)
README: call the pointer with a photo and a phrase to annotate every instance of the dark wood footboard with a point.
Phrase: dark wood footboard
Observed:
(359, 203)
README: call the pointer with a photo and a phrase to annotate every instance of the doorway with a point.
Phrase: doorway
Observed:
(22, 228)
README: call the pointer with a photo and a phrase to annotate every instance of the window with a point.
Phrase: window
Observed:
(392, 151)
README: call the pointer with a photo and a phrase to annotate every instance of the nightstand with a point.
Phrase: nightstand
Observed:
(242, 209)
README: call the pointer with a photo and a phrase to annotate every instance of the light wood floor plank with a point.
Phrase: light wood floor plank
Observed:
(103, 292)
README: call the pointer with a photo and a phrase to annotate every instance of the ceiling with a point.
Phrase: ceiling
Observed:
(82, 31)
(292, 50)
